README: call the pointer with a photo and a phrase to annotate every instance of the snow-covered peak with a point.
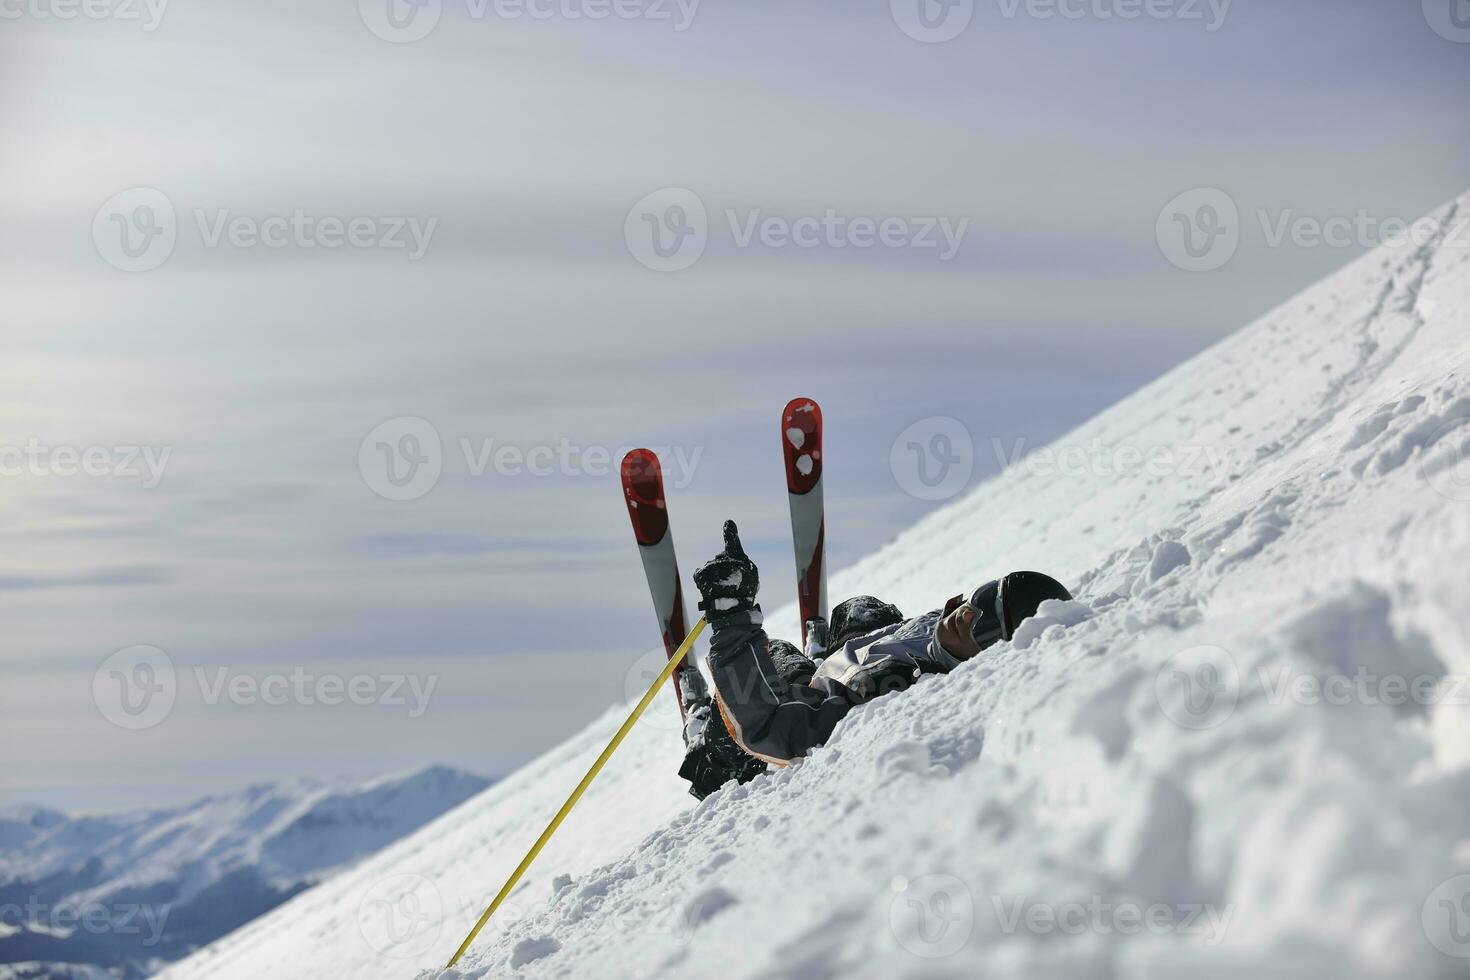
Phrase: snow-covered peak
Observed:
(198, 869)
(1243, 750)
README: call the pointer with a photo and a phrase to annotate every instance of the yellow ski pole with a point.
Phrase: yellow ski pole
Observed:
(566, 807)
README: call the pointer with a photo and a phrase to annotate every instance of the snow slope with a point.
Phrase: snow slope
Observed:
(164, 882)
(1243, 752)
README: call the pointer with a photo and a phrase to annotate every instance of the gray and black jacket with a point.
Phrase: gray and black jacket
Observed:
(779, 721)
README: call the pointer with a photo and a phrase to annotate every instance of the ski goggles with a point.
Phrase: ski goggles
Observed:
(988, 604)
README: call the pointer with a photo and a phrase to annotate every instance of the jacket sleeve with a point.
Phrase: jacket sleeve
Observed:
(767, 717)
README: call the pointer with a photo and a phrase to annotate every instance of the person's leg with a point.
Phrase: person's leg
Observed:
(793, 665)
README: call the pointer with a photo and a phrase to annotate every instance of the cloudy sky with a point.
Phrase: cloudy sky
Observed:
(243, 245)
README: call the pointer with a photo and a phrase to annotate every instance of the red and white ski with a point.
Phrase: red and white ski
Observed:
(801, 438)
(643, 491)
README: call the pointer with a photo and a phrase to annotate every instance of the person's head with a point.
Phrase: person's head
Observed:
(859, 616)
(993, 611)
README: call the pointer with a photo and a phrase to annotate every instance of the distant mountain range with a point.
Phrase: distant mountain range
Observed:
(119, 895)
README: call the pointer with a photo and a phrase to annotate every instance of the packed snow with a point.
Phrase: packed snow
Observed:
(1243, 750)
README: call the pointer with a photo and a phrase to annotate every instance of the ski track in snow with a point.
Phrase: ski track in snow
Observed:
(1134, 748)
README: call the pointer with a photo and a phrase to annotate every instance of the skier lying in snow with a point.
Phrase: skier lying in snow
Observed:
(777, 704)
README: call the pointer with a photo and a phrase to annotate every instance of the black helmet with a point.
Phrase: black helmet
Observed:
(859, 616)
(1002, 605)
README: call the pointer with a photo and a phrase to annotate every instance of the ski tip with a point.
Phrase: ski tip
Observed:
(801, 442)
(643, 492)
(641, 466)
(801, 404)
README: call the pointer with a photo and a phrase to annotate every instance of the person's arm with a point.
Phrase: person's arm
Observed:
(767, 717)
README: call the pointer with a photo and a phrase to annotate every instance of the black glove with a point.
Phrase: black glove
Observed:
(728, 583)
(712, 758)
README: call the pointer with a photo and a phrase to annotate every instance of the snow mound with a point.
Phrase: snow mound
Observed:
(1242, 751)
